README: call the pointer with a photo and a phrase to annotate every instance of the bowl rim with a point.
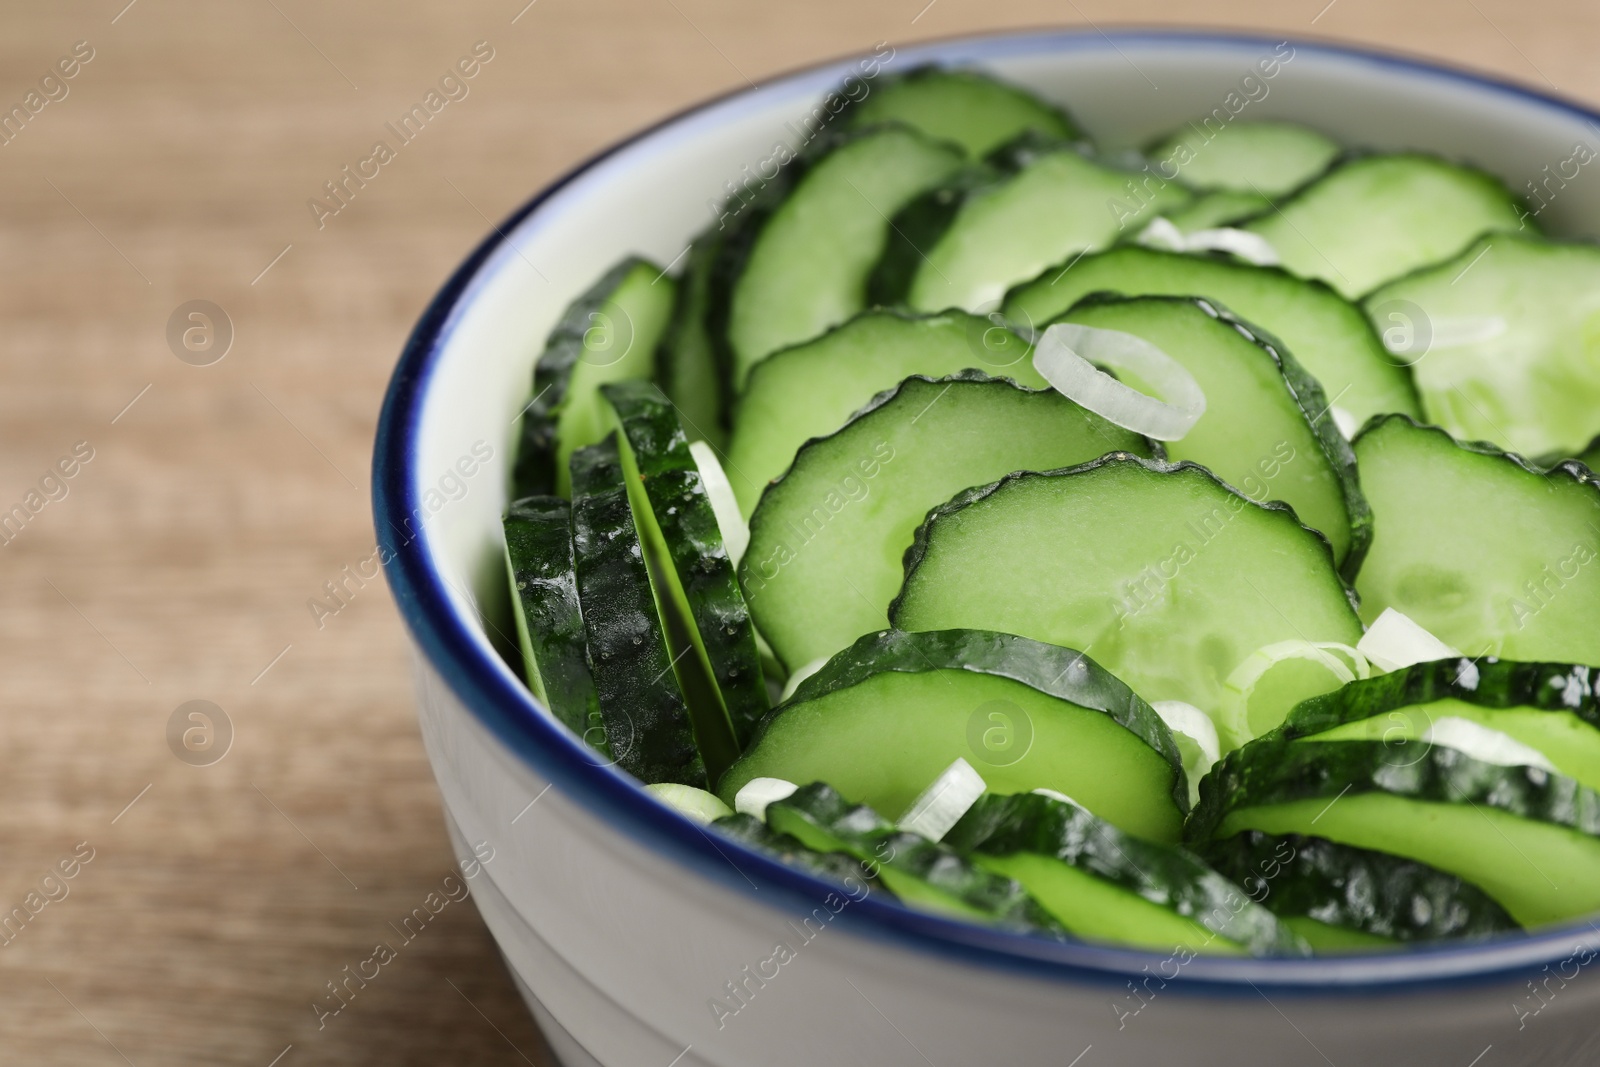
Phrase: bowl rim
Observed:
(509, 711)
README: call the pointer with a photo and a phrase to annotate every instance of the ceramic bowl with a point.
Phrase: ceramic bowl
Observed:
(641, 941)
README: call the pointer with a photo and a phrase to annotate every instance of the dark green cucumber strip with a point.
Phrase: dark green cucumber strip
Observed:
(1502, 343)
(1489, 553)
(838, 867)
(1370, 219)
(972, 109)
(544, 598)
(675, 515)
(1267, 428)
(687, 359)
(1266, 158)
(812, 389)
(1056, 203)
(796, 261)
(1163, 573)
(607, 334)
(1105, 885)
(1217, 208)
(1549, 707)
(1357, 889)
(827, 539)
(647, 720)
(882, 719)
(920, 872)
(1527, 838)
(1328, 335)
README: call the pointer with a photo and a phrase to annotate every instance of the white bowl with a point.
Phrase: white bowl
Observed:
(626, 924)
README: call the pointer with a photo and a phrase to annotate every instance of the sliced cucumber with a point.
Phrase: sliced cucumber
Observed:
(1219, 207)
(696, 805)
(827, 539)
(687, 359)
(608, 334)
(1105, 885)
(1549, 707)
(795, 266)
(833, 866)
(1266, 428)
(918, 871)
(883, 718)
(1328, 336)
(1343, 890)
(544, 599)
(1529, 839)
(1265, 158)
(647, 723)
(965, 246)
(1489, 554)
(1371, 219)
(679, 525)
(1504, 341)
(812, 389)
(971, 108)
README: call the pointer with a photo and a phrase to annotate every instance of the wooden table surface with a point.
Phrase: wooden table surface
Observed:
(176, 563)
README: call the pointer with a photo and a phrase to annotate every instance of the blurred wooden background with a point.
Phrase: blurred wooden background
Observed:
(179, 562)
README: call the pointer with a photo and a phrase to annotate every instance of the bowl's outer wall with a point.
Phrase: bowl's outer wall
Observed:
(627, 925)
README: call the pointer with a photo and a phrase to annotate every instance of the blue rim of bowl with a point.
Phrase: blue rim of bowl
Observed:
(510, 712)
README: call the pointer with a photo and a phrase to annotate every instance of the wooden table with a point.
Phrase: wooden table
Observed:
(219, 498)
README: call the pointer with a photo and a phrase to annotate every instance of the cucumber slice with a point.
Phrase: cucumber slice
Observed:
(1550, 707)
(678, 522)
(693, 804)
(1328, 336)
(1344, 891)
(1266, 428)
(1371, 219)
(835, 866)
(608, 334)
(1487, 553)
(1105, 885)
(964, 246)
(827, 539)
(1504, 341)
(887, 715)
(1163, 573)
(1265, 158)
(798, 264)
(687, 360)
(973, 109)
(812, 389)
(1529, 839)
(544, 599)
(1220, 207)
(920, 872)
(647, 722)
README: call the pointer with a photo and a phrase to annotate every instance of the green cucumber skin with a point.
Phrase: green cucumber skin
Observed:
(839, 867)
(694, 541)
(1356, 888)
(539, 545)
(1045, 118)
(1271, 770)
(1060, 672)
(534, 473)
(1487, 682)
(686, 360)
(877, 843)
(1170, 877)
(1308, 396)
(646, 717)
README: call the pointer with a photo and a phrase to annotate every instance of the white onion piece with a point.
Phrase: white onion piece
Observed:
(1250, 247)
(800, 675)
(1348, 424)
(1395, 641)
(735, 531)
(1343, 663)
(1197, 740)
(1053, 795)
(1066, 356)
(942, 804)
(1485, 744)
(694, 804)
(1161, 233)
(758, 793)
